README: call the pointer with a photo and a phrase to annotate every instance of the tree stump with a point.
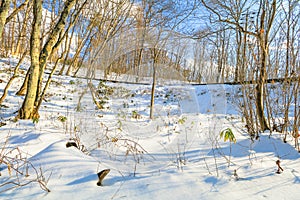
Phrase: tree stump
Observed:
(279, 170)
(101, 176)
(71, 144)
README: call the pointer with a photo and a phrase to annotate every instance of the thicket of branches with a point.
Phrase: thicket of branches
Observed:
(259, 41)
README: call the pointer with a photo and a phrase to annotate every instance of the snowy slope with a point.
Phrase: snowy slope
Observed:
(176, 155)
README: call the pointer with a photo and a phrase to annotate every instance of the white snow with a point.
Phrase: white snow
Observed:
(177, 155)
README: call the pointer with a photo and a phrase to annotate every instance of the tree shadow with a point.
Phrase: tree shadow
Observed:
(297, 178)
(26, 137)
(108, 181)
(265, 144)
(89, 178)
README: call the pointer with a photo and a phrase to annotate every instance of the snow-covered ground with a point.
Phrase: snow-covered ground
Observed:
(179, 154)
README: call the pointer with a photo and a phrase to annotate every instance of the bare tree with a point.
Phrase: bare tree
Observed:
(160, 16)
(4, 8)
(15, 75)
(21, 42)
(10, 29)
(27, 111)
(264, 21)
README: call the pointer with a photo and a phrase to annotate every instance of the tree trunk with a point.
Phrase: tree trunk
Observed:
(23, 31)
(27, 110)
(153, 91)
(260, 104)
(68, 44)
(263, 37)
(3, 15)
(155, 60)
(12, 31)
(49, 81)
(260, 91)
(238, 56)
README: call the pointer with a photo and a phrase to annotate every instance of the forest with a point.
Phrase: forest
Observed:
(254, 45)
(210, 41)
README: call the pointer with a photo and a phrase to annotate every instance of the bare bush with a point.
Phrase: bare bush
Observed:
(19, 169)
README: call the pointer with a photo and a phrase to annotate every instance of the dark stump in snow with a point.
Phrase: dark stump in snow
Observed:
(101, 176)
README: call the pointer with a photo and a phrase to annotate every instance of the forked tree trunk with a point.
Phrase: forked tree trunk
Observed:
(51, 42)
(263, 36)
